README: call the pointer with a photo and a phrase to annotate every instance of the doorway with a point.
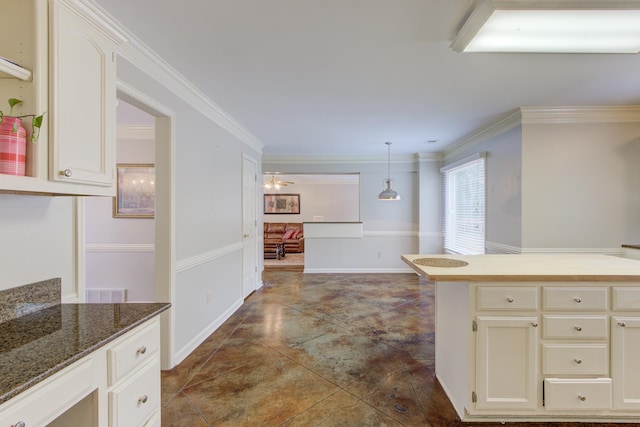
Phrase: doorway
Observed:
(120, 251)
(162, 249)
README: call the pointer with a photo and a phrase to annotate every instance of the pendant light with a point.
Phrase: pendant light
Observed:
(388, 193)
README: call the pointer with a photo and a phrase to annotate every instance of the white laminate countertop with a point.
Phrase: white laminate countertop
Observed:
(530, 267)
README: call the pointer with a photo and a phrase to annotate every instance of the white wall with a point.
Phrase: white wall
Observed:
(37, 241)
(335, 200)
(580, 186)
(208, 212)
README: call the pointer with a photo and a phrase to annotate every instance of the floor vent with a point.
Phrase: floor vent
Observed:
(106, 295)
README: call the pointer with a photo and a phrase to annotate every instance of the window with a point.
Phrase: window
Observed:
(464, 206)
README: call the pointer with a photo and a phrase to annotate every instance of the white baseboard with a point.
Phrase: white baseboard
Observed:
(211, 328)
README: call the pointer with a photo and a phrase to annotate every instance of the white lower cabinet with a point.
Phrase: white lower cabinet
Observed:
(507, 362)
(625, 362)
(134, 378)
(560, 351)
(134, 401)
(117, 385)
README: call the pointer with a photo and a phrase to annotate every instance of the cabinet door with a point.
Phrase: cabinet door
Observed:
(507, 362)
(83, 98)
(625, 362)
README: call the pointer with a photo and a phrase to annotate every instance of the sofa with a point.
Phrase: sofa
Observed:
(289, 233)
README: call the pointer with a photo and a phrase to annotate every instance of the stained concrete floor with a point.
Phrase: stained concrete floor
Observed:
(318, 350)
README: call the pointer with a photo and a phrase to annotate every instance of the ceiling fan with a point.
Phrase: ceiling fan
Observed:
(276, 183)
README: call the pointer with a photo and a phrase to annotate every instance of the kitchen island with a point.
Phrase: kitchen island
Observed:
(537, 337)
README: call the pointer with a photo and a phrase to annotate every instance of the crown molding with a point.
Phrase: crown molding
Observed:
(588, 114)
(137, 133)
(509, 121)
(140, 55)
(310, 159)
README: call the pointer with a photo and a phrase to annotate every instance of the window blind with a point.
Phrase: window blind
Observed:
(464, 206)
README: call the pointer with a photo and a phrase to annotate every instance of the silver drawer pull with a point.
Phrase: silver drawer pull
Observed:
(19, 424)
(578, 361)
(582, 397)
(509, 299)
(578, 299)
(141, 350)
(622, 324)
(578, 328)
(66, 172)
(143, 399)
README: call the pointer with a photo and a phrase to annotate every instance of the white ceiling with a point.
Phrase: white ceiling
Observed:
(341, 77)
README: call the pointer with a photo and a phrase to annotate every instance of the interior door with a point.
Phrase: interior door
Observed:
(249, 226)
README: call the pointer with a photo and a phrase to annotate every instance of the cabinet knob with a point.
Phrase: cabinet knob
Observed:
(509, 299)
(622, 324)
(582, 397)
(142, 350)
(578, 361)
(66, 172)
(578, 299)
(578, 328)
(19, 424)
(534, 324)
(143, 399)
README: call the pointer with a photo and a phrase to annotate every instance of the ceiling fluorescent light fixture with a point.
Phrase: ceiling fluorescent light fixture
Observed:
(388, 193)
(551, 26)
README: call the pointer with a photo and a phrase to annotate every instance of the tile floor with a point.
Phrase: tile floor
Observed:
(318, 350)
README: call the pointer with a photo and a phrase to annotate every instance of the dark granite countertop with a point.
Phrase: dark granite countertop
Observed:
(37, 345)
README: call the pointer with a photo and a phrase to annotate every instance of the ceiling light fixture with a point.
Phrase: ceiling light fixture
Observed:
(275, 183)
(551, 26)
(388, 193)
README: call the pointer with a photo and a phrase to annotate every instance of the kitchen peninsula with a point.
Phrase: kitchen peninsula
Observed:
(537, 337)
(77, 364)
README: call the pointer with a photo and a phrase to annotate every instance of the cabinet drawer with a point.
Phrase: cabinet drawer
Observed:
(575, 327)
(42, 403)
(568, 359)
(507, 298)
(132, 402)
(626, 299)
(135, 350)
(577, 394)
(577, 298)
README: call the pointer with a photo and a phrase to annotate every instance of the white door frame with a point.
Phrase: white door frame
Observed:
(165, 227)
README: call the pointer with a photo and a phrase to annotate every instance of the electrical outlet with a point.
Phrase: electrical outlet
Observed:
(379, 254)
(208, 298)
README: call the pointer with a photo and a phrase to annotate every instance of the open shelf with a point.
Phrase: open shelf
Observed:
(10, 68)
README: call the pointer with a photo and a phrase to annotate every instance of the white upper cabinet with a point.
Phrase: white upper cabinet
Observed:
(66, 67)
(83, 98)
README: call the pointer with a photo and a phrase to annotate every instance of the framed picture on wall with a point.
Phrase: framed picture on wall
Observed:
(136, 192)
(281, 204)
